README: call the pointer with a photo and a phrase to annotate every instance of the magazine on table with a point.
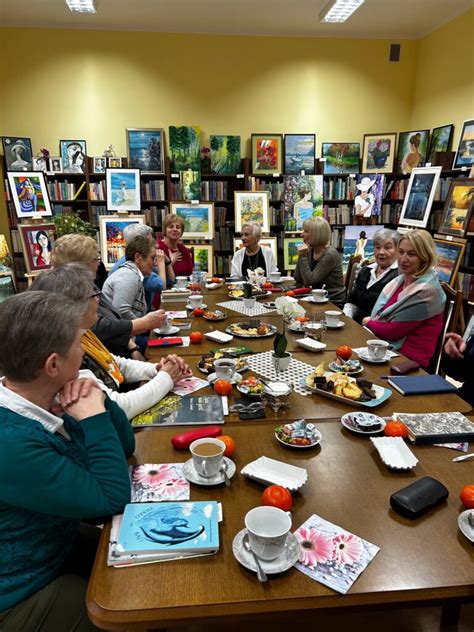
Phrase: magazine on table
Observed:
(174, 410)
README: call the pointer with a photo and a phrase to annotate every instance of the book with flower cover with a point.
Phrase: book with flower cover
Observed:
(166, 531)
(155, 482)
(331, 555)
(174, 410)
(429, 428)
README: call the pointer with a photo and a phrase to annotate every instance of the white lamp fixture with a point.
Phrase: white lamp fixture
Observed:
(339, 10)
(81, 6)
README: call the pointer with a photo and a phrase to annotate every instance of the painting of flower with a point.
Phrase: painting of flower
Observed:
(158, 481)
(252, 206)
(379, 153)
(330, 555)
(267, 152)
(340, 158)
(225, 155)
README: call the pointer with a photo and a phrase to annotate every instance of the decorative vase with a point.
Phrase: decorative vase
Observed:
(380, 160)
(281, 364)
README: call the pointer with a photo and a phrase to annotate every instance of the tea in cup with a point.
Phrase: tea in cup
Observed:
(274, 277)
(207, 456)
(333, 318)
(195, 300)
(268, 529)
(181, 282)
(319, 295)
(377, 349)
(225, 369)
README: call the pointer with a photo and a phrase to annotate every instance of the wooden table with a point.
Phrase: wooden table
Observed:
(423, 562)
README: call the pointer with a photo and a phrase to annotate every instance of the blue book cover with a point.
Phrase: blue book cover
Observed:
(421, 384)
(174, 528)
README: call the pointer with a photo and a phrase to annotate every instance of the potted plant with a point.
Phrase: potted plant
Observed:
(281, 357)
(72, 223)
(249, 299)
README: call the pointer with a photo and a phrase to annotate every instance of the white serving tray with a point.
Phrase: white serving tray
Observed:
(395, 453)
(270, 471)
(310, 344)
(218, 336)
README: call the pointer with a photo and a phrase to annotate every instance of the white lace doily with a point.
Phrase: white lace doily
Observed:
(238, 306)
(262, 363)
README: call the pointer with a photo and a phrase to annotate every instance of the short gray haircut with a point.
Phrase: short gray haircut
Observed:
(134, 230)
(385, 234)
(72, 280)
(255, 229)
(33, 325)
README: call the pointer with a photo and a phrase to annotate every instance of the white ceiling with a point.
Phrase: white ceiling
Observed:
(375, 19)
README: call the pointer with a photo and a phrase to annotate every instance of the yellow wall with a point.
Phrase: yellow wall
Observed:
(444, 84)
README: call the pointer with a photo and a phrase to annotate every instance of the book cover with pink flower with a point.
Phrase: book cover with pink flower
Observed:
(331, 555)
(154, 482)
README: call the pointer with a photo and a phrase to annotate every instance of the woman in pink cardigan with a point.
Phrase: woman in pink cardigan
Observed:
(410, 309)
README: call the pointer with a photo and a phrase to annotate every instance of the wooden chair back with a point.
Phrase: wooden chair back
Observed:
(457, 317)
(452, 315)
(351, 271)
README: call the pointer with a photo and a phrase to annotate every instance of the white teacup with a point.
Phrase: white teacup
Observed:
(195, 300)
(225, 368)
(319, 295)
(274, 277)
(166, 326)
(207, 456)
(377, 348)
(268, 529)
(333, 317)
(181, 282)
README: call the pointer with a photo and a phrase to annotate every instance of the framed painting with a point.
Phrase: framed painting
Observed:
(40, 163)
(198, 219)
(290, 252)
(300, 152)
(441, 138)
(123, 189)
(412, 150)
(29, 193)
(185, 148)
(114, 162)
(55, 164)
(146, 149)
(450, 255)
(252, 206)
(18, 153)
(465, 153)
(190, 184)
(340, 159)
(73, 155)
(458, 208)
(7, 286)
(469, 331)
(358, 240)
(99, 164)
(368, 201)
(302, 199)
(37, 242)
(265, 242)
(378, 153)
(267, 154)
(225, 155)
(6, 260)
(419, 196)
(203, 254)
(112, 242)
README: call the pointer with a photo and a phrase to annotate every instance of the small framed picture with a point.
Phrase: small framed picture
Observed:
(458, 208)
(267, 154)
(55, 164)
(340, 159)
(123, 189)
(40, 163)
(203, 254)
(252, 206)
(440, 141)
(29, 193)
(7, 286)
(18, 153)
(145, 149)
(37, 241)
(412, 150)
(378, 153)
(419, 196)
(73, 155)
(450, 254)
(469, 331)
(115, 162)
(198, 219)
(465, 153)
(112, 241)
(265, 242)
(99, 164)
(300, 153)
(290, 251)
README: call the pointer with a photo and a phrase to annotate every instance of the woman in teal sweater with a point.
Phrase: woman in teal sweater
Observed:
(63, 449)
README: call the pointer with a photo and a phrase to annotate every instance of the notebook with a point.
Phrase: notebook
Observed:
(429, 428)
(421, 384)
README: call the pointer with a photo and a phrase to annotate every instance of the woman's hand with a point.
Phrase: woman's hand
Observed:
(365, 320)
(454, 346)
(175, 256)
(160, 257)
(82, 398)
(176, 368)
(302, 249)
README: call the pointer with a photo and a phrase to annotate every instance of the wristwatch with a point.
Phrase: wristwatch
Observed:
(133, 349)
(168, 263)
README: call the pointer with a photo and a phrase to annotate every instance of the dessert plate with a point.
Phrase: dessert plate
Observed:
(349, 422)
(236, 378)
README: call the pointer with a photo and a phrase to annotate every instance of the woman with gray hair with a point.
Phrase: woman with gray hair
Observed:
(75, 282)
(252, 256)
(63, 450)
(373, 278)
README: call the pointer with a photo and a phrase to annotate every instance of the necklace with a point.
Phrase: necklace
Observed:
(252, 259)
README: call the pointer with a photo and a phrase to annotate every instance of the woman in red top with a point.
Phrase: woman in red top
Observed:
(181, 262)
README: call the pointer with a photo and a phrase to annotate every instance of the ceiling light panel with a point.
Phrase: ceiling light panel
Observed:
(81, 6)
(339, 10)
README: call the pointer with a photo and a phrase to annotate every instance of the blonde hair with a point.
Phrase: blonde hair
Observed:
(424, 246)
(319, 231)
(74, 249)
(173, 219)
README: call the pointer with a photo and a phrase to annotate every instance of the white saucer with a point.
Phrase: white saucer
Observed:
(311, 299)
(463, 522)
(282, 563)
(169, 332)
(364, 355)
(347, 422)
(235, 380)
(192, 476)
(339, 325)
(203, 306)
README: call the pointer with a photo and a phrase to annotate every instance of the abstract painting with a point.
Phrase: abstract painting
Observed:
(465, 153)
(73, 155)
(225, 155)
(300, 152)
(378, 154)
(145, 149)
(252, 206)
(419, 196)
(458, 208)
(340, 158)
(37, 242)
(412, 150)
(302, 199)
(185, 148)
(29, 194)
(267, 154)
(198, 219)
(440, 141)
(123, 189)
(112, 241)
(18, 153)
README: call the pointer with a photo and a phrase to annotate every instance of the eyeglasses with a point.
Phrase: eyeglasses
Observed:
(98, 258)
(96, 294)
